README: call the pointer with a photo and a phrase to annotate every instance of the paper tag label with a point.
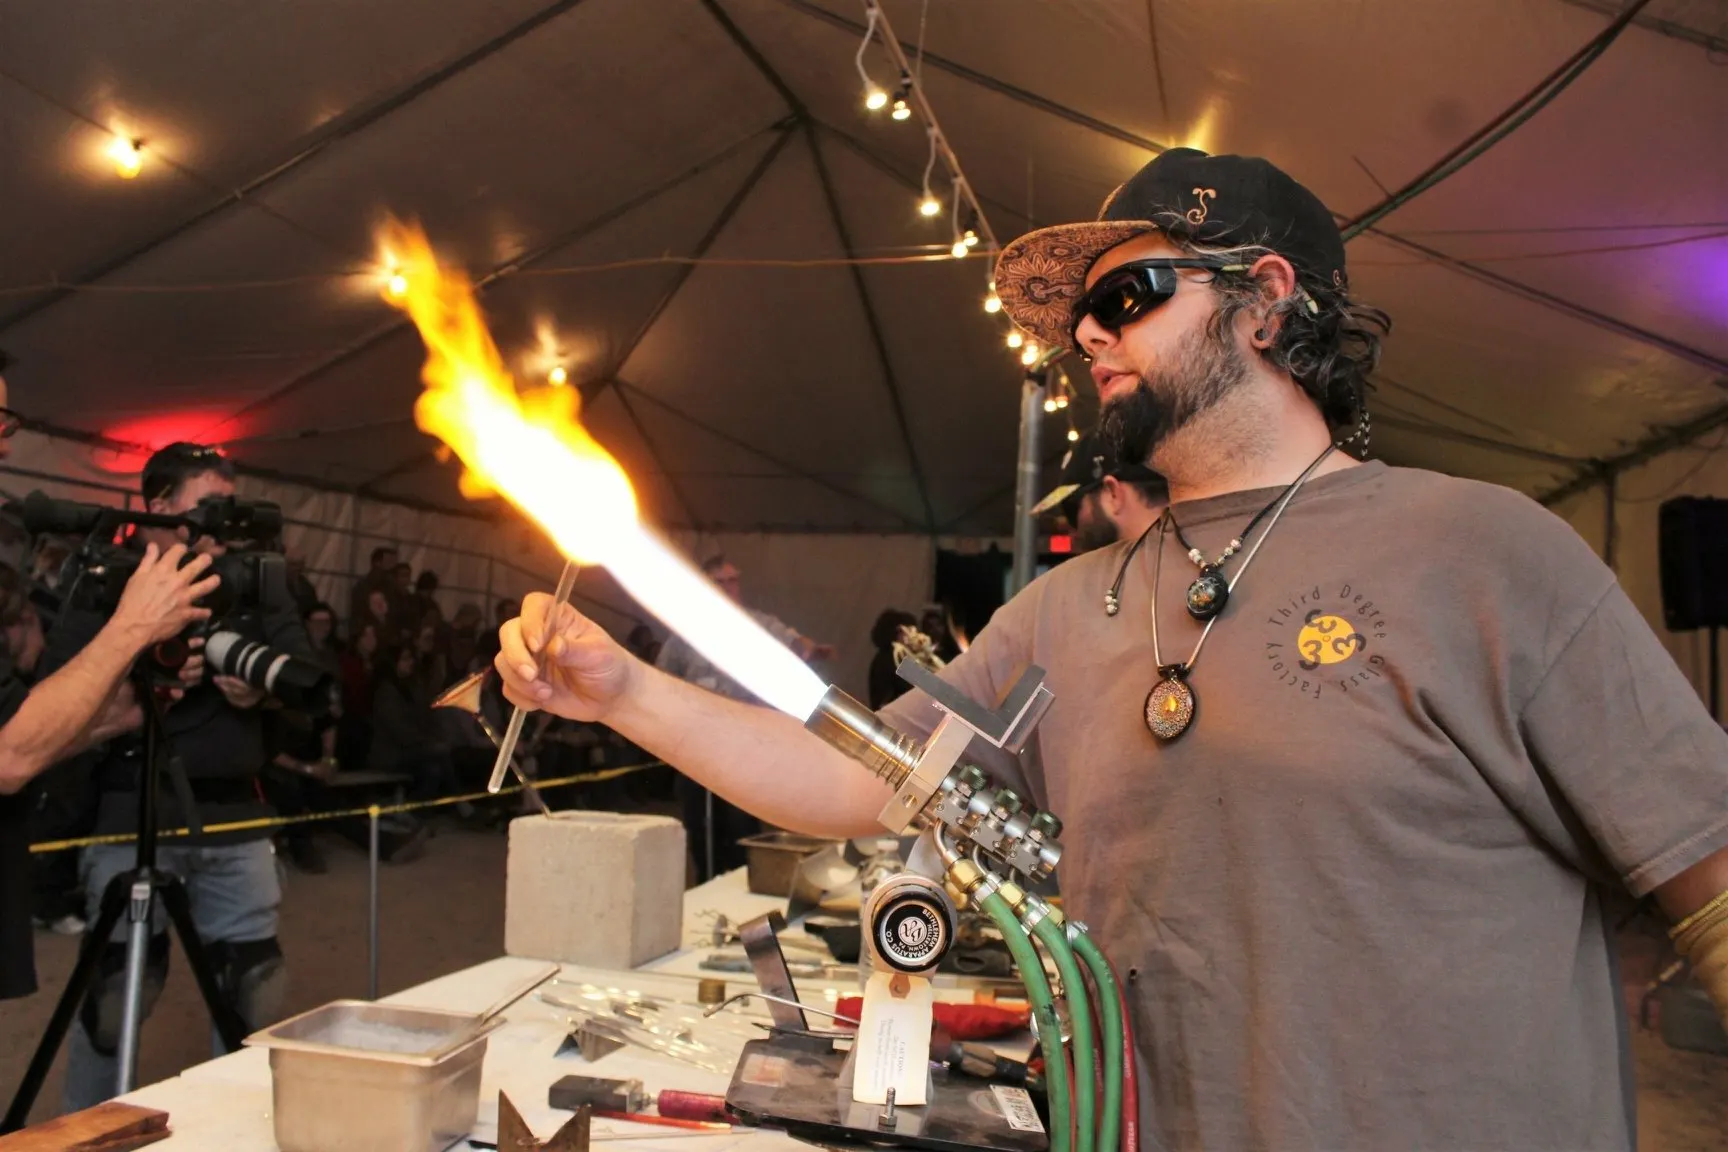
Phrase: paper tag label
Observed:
(893, 1045)
(1016, 1105)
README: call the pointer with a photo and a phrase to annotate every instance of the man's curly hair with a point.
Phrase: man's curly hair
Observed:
(1328, 343)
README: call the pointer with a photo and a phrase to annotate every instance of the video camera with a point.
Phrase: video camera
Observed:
(253, 574)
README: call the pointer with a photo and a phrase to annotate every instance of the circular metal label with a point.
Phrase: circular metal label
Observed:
(911, 935)
(1169, 708)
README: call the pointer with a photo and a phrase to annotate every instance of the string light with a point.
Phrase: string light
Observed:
(1015, 339)
(929, 206)
(1073, 435)
(128, 156)
(1050, 404)
(874, 98)
(970, 238)
(992, 303)
(1029, 355)
(558, 377)
(1061, 401)
(902, 110)
(959, 250)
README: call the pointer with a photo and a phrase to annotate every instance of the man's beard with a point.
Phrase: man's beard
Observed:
(1206, 369)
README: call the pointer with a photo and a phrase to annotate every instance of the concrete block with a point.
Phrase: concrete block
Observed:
(596, 888)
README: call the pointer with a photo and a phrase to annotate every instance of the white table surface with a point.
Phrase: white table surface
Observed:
(224, 1104)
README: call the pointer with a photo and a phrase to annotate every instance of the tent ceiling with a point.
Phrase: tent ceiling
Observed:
(1558, 309)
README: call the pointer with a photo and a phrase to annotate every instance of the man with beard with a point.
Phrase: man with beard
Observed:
(1103, 500)
(1407, 744)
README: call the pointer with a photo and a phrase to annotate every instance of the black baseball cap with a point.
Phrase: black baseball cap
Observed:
(1084, 470)
(1183, 192)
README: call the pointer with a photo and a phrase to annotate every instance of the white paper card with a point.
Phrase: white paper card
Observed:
(1016, 1105)
(893, 1046)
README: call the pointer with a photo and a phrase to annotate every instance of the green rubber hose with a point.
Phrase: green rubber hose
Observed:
(1044, 1019)
(1114, 1038)
(1054, 937)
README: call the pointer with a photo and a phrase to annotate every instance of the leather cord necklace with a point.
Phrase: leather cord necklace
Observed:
(1170, 704)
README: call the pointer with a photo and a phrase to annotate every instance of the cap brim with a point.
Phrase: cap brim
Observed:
(1058, 494)
(1041, 274)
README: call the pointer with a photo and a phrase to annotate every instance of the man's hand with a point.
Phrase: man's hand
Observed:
(239, 693)
(587, 672)
(159, 601)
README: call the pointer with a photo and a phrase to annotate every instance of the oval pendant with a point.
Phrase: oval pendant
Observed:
(1208, 594)
(1169, 708)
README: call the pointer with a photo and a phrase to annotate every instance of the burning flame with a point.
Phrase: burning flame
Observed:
(532, 449)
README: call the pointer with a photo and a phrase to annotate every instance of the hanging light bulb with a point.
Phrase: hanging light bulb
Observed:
(992, 303)
(902, 110)
(1049, 402)
(1062, 400)
(558, 377)
(875, 99)
(1073, 435)
(969, 238)
(959, 250)
(1015, 339)
(929, 206)
(128, 156)
(1029, 357)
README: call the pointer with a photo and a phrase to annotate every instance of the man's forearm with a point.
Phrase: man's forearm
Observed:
(50, 723)
(759, 759)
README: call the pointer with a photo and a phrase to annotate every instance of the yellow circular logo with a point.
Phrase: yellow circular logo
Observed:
(1327, 639)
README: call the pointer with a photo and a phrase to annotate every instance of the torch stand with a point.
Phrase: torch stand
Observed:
(134, 894)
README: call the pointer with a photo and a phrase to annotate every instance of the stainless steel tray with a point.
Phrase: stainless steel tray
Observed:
(354, 1074)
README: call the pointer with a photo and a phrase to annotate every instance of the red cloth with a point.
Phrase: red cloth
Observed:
(961, 1021)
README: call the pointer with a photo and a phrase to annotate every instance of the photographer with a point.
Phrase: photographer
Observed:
(215, 751)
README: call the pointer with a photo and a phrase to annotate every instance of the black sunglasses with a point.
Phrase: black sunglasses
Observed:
(10, 422)
(1123, 295)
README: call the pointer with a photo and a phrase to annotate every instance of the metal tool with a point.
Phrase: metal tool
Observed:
(514, 1135)
(513, 731)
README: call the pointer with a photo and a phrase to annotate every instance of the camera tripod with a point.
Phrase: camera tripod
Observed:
(132, 894)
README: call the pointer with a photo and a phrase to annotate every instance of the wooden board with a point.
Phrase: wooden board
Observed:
(110, 1127)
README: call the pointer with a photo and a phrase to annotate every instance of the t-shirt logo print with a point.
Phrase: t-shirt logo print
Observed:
(1327, 638)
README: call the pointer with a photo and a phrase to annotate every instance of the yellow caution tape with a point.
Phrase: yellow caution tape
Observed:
(371, 810)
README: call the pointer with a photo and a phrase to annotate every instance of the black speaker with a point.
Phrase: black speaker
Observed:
(1692, 539)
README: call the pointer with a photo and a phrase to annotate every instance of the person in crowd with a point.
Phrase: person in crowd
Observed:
(426, 593)
(504, 610)
(465, 640)
(934, 624)
(299, 586)
(402, 586)
(1104, 500)
(354, 732)
(1357, 833)
(382, 615)
(304, 739)
(381, 575)
(321, 630)
(432, 653)
(885, 635)
(405, 736)
(713, 826)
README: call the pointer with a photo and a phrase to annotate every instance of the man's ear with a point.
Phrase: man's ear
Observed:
(1276, 279)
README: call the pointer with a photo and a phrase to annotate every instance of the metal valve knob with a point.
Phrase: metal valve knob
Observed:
(1007, 802)
(1046, 825)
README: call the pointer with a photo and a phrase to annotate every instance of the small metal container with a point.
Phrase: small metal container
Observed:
(354, 1074)
(772, 858)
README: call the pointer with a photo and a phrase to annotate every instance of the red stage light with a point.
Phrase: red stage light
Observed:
(1061, 545)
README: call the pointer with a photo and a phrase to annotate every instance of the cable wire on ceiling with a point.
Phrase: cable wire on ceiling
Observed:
(1500, 127)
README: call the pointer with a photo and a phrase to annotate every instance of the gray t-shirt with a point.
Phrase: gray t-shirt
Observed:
(1365, 900)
